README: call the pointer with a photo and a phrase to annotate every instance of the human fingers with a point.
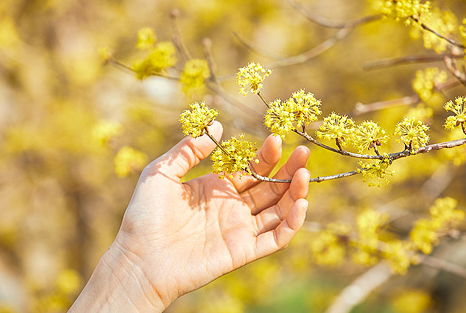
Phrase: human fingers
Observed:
(271, 217)
(279, 237)
(268, 156)
(265, 194)
(186, 154)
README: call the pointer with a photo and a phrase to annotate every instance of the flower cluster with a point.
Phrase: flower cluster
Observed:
(328, 246)
(402, 9)
(336, 127)
(146, 38)
(426, 81)
(195, 72)
(279, 118)
(376, 174)
(251, 77)
(444, 22)
(105, 131)
(459, 109)
(162, 56)
(299, 110)
(399, 255)
(234, 156)
(195, 121)
(368, 224)
(444, 217)
(129, 160)
(368, 135)
(412, 132)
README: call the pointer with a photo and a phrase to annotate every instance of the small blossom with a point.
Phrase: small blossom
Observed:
(300, 109)
(129, 160)
(251, 77)
(444, 217)
(146, 38)
(444, 22)
(459, 109)
(398, 255)
(336, 127)
(105, 131)
(402, 9)
(195, 121)
(328, 246)
(376, 174)
(105, 54)
(192, 78)
(159, 58)
(368, 135)
(412, 132)
(305, 107)
(234, 157)
(279, 118)
(425, 82)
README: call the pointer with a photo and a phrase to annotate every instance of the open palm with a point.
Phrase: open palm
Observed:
(181, 236)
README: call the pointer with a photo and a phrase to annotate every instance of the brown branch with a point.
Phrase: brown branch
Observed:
(427, 28)
(360, 289)
(452, 67)
(207, 43)
(443, 265)
(371, 65)
(254, 48)
(308, 55)
(322, 21)
(176, 37)
(380, 105)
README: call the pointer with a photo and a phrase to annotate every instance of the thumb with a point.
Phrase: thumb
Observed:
(186, 154)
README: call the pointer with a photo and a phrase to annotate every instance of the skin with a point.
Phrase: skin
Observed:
(177, 237)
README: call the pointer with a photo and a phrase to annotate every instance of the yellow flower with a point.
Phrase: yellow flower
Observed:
(146, 38)
(425, 82)
(398, 255)
(368, 135)
(105, 131)
(234, 157)
(336, 127)
(305, 107)
(376, 174)
(443, 22)
(195, 121)
(412, 133)
(402, 9)
(251, 77)
(129, 160)
(279, 118)
(192, 79)
(328, 246)
(159, 58)
(459, 109)
(444, 217)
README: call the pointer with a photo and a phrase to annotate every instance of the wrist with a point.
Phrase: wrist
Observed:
(118, 284)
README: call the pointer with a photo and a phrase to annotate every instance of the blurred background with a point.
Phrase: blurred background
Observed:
(75, 133)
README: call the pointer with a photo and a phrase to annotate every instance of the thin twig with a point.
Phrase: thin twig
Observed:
(380, 105)
(391, 156)
(260, 51)
(176, 37)
(371, 65)
(322, 21)
(427, 28)
(443, 265)
(450, 63)
(207, 43)
(263, 100)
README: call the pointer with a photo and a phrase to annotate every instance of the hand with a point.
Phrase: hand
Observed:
(176, 237)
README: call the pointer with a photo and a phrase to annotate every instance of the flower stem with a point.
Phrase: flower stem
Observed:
(263, 100)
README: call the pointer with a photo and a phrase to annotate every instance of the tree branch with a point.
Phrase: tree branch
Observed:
(322, 21)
